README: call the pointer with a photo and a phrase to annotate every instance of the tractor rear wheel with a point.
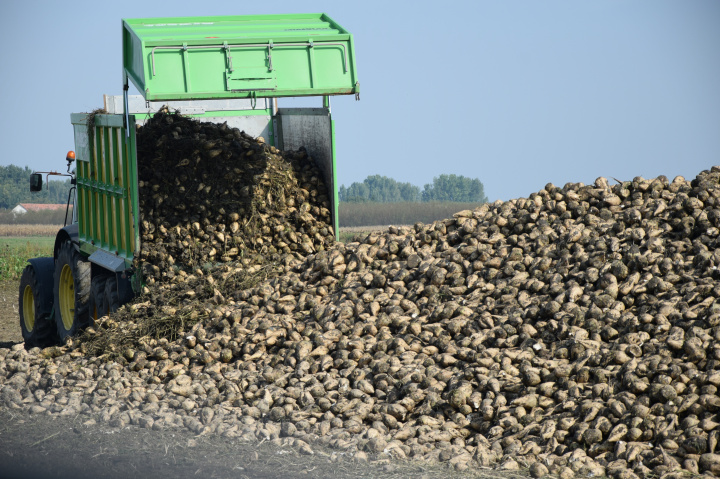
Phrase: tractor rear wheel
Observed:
(72, 291)
(112, 298)
(37, 327)
(98, 307)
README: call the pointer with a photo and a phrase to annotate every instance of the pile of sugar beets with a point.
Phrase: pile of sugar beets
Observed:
(209, 193)
(220, 210)
(575, 332)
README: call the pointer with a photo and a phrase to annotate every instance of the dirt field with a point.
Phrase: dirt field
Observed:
(55, 447)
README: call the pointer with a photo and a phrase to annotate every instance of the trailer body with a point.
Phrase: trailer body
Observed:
(239, 57)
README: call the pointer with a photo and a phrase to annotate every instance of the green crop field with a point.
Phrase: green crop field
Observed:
(16, 250)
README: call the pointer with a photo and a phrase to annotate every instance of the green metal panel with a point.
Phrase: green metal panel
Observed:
(239, 56)
(313, 129)
(107, 186)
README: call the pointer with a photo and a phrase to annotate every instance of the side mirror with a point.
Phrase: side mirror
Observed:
(35, 182)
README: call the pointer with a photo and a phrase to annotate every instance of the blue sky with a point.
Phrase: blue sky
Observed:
(515, 93)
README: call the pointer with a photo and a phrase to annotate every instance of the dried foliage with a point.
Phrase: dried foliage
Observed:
(47, 219)
(23, 230)
(405, 213)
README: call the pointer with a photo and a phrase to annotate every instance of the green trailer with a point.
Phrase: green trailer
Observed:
(224, 69)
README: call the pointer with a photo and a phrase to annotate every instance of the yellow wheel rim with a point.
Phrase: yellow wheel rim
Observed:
(28, 308)
(67, 297)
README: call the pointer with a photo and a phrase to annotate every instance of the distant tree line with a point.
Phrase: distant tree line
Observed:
(15, 188)
(445, 188)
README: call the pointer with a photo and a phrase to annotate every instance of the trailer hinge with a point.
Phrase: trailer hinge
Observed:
(229, 56)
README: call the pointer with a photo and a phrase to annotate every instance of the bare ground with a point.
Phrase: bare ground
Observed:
(42, 446)
(58, 447)
(363, 229)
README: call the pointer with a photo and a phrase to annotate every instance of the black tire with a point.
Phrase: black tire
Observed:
(71, 291)
(37, 327)
(112, 298)
(97, 307)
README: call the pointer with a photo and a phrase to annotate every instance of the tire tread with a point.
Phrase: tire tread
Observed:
(43, 333)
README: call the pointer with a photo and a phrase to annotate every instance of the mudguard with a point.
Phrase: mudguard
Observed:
(70, 232)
